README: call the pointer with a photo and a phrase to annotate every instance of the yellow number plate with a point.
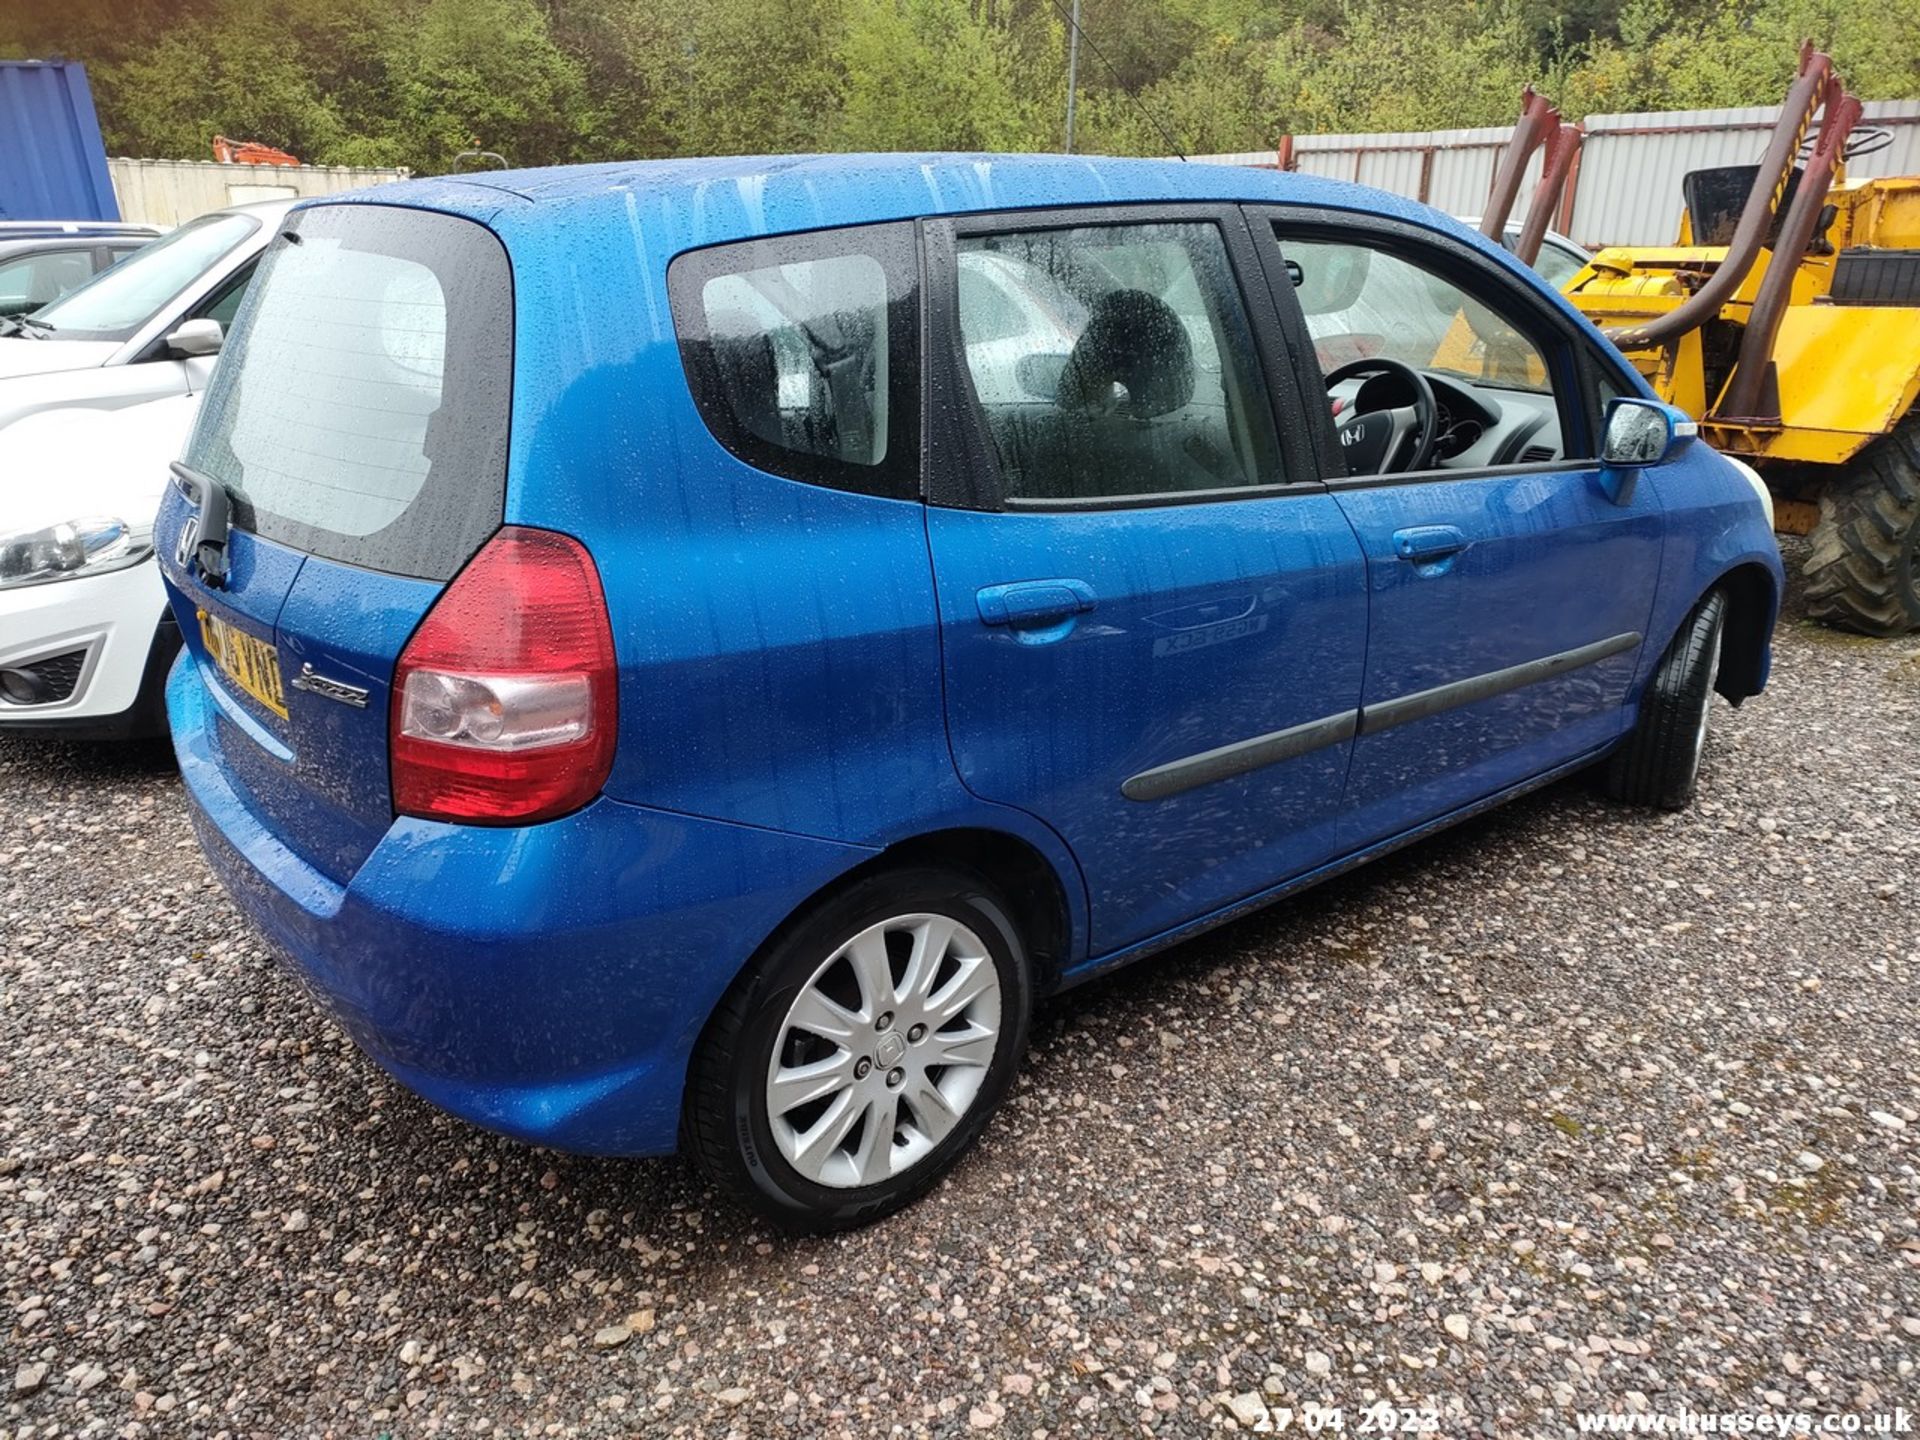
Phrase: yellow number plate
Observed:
(251, 664)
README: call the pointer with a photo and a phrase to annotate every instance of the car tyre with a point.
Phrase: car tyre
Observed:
(1658, 764)
(758, 1051)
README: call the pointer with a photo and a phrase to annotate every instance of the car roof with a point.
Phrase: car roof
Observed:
(44, 244)
(75, 230)
(705, 201)
(653, 210)
(259, 209)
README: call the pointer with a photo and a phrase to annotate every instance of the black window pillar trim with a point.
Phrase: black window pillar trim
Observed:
(962, 466)
(1562, 342)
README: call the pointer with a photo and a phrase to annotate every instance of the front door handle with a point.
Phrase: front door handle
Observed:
(1034, 604)
(1424, 544)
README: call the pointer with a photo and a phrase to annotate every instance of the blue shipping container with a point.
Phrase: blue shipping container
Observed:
(53, 163)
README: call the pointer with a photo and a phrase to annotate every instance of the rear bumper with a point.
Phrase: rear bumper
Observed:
(544, 981)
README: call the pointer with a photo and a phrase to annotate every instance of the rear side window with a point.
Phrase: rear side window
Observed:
(800, 351)
(359, 412)
(1114, 361)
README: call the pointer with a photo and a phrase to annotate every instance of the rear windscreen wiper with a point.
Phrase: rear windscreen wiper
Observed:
(207, 545)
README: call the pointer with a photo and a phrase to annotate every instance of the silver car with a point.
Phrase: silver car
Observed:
(148, 327)
(1559, 260)
(42, 260)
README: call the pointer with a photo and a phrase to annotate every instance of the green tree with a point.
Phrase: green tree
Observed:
(413, 82)
(933, 75)
(760, 77)
(1402, 65)
(229, 74)
(1743, 52)
(486, 74)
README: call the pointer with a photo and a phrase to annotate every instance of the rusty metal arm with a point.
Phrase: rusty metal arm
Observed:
(1538, 119)
(1753, 393)
(1816, 69)
(1562, 146)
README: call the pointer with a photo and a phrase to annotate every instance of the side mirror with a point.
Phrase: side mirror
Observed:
(1638, 433)
(197, 337)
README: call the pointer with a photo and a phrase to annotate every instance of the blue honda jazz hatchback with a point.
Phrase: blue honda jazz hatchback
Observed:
(683, 655)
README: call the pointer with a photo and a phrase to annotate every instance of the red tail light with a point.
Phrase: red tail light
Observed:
(503, 701)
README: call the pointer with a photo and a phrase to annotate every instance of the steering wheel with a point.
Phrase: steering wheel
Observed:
(1865, 140)
(1387, 442)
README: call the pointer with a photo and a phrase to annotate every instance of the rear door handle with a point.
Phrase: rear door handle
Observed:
(1424, 544)
(1032, 604)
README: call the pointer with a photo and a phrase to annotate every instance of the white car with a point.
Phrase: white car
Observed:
(150, 326)
(1559, 260)
(85, 634)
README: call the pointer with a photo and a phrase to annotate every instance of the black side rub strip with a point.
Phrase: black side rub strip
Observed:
(1270, 749)
(1422, 703)
(1241, 756)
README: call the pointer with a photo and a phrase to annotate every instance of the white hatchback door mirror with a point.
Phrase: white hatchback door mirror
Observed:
(197, 337)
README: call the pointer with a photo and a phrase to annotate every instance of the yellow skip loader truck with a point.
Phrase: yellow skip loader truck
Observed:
(1787, 318)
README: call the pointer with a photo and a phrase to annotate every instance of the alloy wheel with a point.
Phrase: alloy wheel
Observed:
(1706, 702)
(883, 1050)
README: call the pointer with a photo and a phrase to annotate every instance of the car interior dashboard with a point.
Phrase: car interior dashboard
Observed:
(1478, 426)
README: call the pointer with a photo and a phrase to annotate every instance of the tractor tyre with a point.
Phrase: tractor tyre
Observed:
(1864, 571)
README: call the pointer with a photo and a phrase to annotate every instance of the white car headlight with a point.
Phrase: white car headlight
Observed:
(71, 549)
(1759, 485)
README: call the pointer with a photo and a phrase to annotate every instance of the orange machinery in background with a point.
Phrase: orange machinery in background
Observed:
(249, 152)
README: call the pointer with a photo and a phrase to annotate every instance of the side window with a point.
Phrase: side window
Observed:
(1493, 386)
(1557, 266)
(35, 280)
(226, 304)
(1114, 361)
(989, 298)
(801, 354)
(16, 286)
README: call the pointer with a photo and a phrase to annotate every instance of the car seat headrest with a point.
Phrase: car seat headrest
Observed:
(1136, 341)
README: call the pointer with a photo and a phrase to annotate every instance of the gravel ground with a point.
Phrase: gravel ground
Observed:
(1571, 1108)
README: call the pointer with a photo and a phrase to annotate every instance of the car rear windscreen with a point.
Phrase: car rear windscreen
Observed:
(359, 409)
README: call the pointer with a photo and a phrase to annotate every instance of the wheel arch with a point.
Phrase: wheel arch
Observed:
(1012, 866)
(1043, 900)
(1753, 603)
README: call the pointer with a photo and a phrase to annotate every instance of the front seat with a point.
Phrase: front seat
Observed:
(1131, 366)
(1132, 340)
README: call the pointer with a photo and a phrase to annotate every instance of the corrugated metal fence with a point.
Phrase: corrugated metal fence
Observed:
(1626, 187)
(1631, 165)
(166, 192)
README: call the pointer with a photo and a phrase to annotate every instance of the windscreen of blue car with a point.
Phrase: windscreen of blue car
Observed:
(359, 410)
